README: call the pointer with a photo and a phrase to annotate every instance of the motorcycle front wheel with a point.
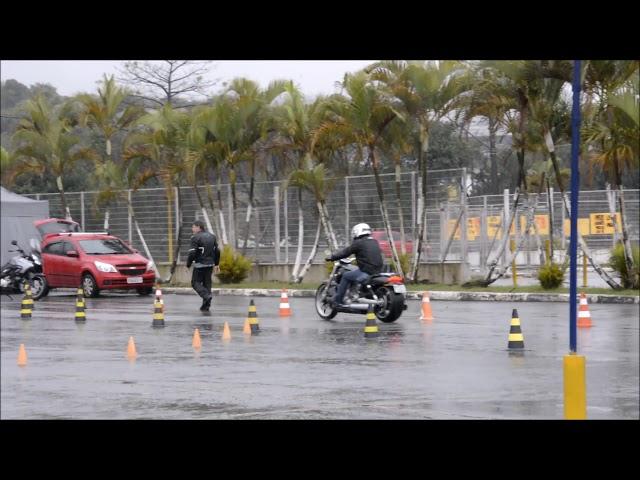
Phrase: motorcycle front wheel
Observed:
(322, 303)
(39, 286)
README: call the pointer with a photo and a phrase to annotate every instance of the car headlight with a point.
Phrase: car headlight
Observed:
(149, 266)
(105, 267)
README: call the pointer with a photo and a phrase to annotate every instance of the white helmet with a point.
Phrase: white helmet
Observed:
(360, 230)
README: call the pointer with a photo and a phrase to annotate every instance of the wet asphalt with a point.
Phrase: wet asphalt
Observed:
(454, 367)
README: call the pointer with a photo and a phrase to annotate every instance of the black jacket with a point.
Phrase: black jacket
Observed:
(204, 250)
(367, 252)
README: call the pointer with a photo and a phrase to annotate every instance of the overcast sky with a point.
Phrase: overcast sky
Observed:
(72, 76)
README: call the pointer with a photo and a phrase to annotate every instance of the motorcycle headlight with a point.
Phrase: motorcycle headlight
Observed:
(105, 267)
(36, 261)
(149, 266)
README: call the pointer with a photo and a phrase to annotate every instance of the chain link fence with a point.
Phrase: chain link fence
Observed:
(273, 229)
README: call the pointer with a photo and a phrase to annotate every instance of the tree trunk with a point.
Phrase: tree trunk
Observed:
(307, 264)
(323, 218)
(585, 249)
(178, 234)
(249, 208)
(422, 218)
(403, 246)
(488, 280)
(144, 244)
(628, 253)
(216, 220)
(65, 207)
(232, 218)
(493, 157)
(106, 221)
(550, 203)
(225, 239)
(296, 265)
(202, 207)
(383, 209)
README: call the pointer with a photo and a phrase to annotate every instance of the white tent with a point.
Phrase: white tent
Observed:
(18, 214)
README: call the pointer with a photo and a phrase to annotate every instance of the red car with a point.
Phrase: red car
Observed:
(97, 261)
(383, 240)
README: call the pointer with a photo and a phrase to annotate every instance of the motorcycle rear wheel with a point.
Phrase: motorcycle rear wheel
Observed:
(393, 305)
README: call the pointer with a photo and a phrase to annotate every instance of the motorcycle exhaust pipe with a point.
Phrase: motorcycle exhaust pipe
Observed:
(369, 301)
(358, 306)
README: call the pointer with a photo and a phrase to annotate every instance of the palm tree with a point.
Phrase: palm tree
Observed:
(363, 118)
(44, 143)
(165, 144)
(254, 104)
(7, 166)
(295, 123)
(613, 129)
(315, 180)
(396, 143)
(427, 92)
(106, 114)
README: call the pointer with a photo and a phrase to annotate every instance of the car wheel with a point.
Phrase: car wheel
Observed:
(89, 286)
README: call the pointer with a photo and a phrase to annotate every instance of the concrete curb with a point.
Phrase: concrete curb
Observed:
(435, 295)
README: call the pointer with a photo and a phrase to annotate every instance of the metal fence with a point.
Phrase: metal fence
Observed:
(274, 225)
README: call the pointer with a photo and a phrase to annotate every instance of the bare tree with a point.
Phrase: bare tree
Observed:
(175, 82)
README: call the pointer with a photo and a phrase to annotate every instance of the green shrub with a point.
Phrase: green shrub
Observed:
(405, 263)
(234, 267)
(551, 275)
(617, 262)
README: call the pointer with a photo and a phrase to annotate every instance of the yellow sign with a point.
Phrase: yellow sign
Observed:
(473, 228)
(583, 227)
(601, 224)
(494, 224)
(542, 224)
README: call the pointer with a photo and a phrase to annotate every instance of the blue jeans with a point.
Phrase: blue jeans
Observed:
(353, 276)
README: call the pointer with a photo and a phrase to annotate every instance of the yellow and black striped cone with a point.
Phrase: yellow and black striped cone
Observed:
(254, 323)
(158, 314)
(29, 294)
(371, 327)
(80, 307)
(159, 296)
(26, 305)
(516, 340)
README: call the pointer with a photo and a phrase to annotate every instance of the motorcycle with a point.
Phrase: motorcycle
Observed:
(24, 267)
(385, 291)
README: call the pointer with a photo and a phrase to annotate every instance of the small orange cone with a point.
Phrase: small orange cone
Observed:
(247, 327)
(226, 333)
(197, 344)
(584, 315)
(427, 314)
(131, 349)
(22, 356)
(285, 309)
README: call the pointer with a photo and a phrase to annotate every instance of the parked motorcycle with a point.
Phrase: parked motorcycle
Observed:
(24, 267)
(385, 291)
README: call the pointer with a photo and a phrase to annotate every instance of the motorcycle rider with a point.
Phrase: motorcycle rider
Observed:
(368, 256)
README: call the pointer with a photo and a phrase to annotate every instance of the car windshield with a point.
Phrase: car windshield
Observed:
(111, 246)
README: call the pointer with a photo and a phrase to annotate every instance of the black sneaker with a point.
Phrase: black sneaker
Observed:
(206, 304)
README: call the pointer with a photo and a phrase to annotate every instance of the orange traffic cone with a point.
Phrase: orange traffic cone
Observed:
(427, 314)
(22, 356)
(247, 327)
(285, 309)
(131, 349)
(584, 315)
(197, 344)
(226, 333)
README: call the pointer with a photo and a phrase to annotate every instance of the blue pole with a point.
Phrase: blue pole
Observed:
(575, 190)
